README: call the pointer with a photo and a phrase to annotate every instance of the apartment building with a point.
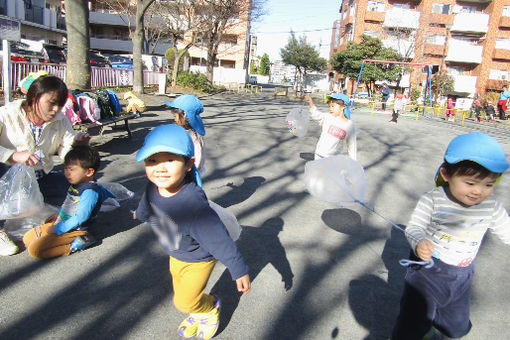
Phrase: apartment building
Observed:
(469, 39)
(39, 19)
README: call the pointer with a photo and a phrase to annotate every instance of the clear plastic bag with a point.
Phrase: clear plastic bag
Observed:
(122, 196)
(228, 219)
(19, 193)
(17, 227)
(297, 122)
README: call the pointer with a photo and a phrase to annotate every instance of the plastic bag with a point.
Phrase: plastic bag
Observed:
(19, 193)
(337, 179)
(122, 196)
(297, 122)
(228, 219)
(17, 227)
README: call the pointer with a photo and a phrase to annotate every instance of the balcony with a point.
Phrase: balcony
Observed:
(464, 84)
(108, 19)
(471, 22)
(125, 46)
(462, 52)
(405, 48)
(402, 18)
(504, 22)
(374, 16)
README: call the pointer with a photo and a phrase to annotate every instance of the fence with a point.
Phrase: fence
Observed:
(100, 76)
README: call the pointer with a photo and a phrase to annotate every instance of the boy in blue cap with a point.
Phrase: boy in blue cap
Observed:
(187, 110)
(337, 126)
(448, 225)
(188, 229)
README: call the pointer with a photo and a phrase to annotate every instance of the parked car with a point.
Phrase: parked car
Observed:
(22, 52)
(97, 59)
(55, 54)
(118, 61)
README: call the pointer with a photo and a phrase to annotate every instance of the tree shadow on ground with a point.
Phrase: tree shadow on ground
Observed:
(240, 193)
(259, 246)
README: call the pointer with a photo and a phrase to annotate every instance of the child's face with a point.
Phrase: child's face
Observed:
(469, 190)
(336, 109)
(75, 174)
(179, 119)
(167, 171)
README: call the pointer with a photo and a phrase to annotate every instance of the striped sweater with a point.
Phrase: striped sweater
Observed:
(456, 231)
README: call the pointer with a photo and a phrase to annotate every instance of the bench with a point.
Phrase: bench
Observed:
(85, 127)
(281, 91)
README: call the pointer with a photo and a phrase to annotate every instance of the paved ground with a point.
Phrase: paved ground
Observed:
(318, 271)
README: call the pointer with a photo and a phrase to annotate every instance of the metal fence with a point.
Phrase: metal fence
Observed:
(100, 76)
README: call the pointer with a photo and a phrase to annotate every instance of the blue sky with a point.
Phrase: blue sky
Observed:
(311, 18)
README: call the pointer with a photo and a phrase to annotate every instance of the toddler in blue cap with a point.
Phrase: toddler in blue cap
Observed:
(337, 127)
(188, 229)
(187, 110)
(448, 225)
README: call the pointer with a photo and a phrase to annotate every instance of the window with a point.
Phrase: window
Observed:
(503, 43)
(439, 8)
(376, 6)
(499, 74)
(463, 9)
(402, 6)
(506, 11)
(436, 39)
(373, 34)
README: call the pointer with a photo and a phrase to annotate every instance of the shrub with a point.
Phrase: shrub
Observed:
(195, 80)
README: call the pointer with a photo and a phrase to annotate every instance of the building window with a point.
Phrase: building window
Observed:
(439, 8)
(373, 34)
(463, 9)
(499, 74)
(402, 6)
(506, 11)
(503, 43)
(436, 39)
(376, 6)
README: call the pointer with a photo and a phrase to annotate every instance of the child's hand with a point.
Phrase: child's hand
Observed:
(134, 215)
(52, 218)
(243, 284)
(51, 230)
(309, 100)
(424, 250)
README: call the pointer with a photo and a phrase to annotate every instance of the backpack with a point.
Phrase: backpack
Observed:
(115, 102)
(105, 104)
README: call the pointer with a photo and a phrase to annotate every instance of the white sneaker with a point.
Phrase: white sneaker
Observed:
(7, 247)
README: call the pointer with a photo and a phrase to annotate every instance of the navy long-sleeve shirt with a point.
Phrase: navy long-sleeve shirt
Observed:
(189, 229)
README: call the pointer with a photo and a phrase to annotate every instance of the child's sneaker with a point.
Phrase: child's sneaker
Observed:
(7, 247)
(188, 328)
(82, 242)
(209, 322)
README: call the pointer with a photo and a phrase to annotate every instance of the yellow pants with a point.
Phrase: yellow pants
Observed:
(189, 280)
(42, 245)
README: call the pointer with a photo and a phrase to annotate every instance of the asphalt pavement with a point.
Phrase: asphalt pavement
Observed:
(318, 271)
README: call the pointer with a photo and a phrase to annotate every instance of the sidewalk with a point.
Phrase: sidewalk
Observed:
(318, 271)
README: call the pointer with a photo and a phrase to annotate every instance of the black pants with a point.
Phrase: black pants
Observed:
(384, 100)
(394, 116)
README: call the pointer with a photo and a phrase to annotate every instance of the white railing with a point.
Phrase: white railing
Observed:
(100, 76)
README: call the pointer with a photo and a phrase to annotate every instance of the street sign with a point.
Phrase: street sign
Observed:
(9, 29)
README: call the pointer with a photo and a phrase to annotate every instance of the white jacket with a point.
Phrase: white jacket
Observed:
(16, 135)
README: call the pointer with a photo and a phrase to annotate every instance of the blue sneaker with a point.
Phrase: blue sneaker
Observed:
(82, 242)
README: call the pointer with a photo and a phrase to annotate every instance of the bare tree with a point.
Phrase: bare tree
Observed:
(78, 43)
(213, 18)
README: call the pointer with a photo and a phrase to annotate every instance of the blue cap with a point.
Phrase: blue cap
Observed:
(345, 99)
(169, 138)
(193, 107)
(477, 147)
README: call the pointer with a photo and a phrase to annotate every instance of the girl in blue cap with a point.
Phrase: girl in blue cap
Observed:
(188, 229)
(337, 127)
(187, 110)
(448, 225)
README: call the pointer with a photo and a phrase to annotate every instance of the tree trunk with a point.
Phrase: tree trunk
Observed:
(78, 44)
(138, 39)
(211, 61)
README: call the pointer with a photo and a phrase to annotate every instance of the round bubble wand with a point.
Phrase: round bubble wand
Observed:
(352, 176)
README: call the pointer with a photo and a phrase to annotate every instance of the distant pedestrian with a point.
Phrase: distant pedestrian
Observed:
(187, 110)
(448, 225)
(450, 109)
(489, 111)
(504, 96)
(188, 229)
(385, 91)
(477, 107)
(337, 126)
(398, 104)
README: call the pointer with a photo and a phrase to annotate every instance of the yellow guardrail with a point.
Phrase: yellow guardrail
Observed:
(437, 111)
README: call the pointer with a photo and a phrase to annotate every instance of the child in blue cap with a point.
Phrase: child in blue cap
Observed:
(188, 229)
(187, 110)
(337, 127)
(448, 225)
